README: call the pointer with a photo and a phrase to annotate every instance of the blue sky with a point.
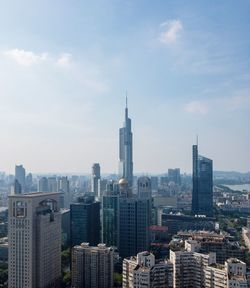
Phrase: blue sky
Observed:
(65, 67)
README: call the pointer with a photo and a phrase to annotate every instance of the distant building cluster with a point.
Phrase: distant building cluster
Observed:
(155, 231)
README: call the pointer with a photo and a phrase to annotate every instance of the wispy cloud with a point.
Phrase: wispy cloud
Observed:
(25, 58)
(239, 100)
(197, 107)
(64, 60)
(87, 75)
(170, 31)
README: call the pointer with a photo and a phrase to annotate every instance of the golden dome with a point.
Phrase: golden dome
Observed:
(123, 181)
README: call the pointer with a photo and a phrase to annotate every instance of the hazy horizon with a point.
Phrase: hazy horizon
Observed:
(65, 67)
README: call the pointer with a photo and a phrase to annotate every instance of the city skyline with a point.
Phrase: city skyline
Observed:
(63, 83)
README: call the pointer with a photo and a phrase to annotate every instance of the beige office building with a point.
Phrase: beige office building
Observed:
(34, 240)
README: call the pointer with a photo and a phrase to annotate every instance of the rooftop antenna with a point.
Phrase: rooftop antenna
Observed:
(126, 109)
(126, 98)
(197, 139)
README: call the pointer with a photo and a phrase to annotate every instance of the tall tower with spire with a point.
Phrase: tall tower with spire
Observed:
(126, 149)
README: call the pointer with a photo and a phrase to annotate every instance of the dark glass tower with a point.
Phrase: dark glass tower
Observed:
(202, 197)
(134, 222)
(126, 150)
(110, 215)
(85, 221)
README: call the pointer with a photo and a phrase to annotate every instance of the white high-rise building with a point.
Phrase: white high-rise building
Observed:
(92, 266)
(34, 232)
(142, 271)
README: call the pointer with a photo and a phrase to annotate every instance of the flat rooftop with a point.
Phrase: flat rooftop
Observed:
(34, 194)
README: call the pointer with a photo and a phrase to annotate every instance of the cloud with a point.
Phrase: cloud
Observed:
(64, 60)
(238, 102)
(197, 107)
(170, 31)
(25, 58)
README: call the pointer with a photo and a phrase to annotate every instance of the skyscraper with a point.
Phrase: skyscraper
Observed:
(144, 189)
(34, 234)
(85, 221)
(126, 150)
(95, 176)
(63, 188)
(174, 175)
(43, 185)
(202, 196)
(20, 177)
(134, 222)
(110, 215)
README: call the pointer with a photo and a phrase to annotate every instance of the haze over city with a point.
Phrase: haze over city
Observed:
(65, 67)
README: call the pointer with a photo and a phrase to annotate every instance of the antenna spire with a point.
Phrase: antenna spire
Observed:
(126, 99)
(197, 140)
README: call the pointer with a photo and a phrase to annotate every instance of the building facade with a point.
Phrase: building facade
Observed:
(202, 196)
(95, 177)
(142, 271)
(110, 219)
(134, 222)
(195, 270)
(20, 178)
(92, 267)
(85, 223)
(34, 240)
(174, 175)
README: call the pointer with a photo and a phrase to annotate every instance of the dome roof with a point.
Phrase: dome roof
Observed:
(123, 181)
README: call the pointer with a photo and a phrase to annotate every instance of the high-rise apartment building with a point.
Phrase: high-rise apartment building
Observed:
(126, 150)
(20, 177)
(95, 177)
(230, 275)
(85, 221)
(188, 268)
(195, 270)
(142, 271)
(202, 196)
(92, 267)
(34, 232)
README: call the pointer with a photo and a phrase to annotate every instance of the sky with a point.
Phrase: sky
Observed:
(65, 67)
